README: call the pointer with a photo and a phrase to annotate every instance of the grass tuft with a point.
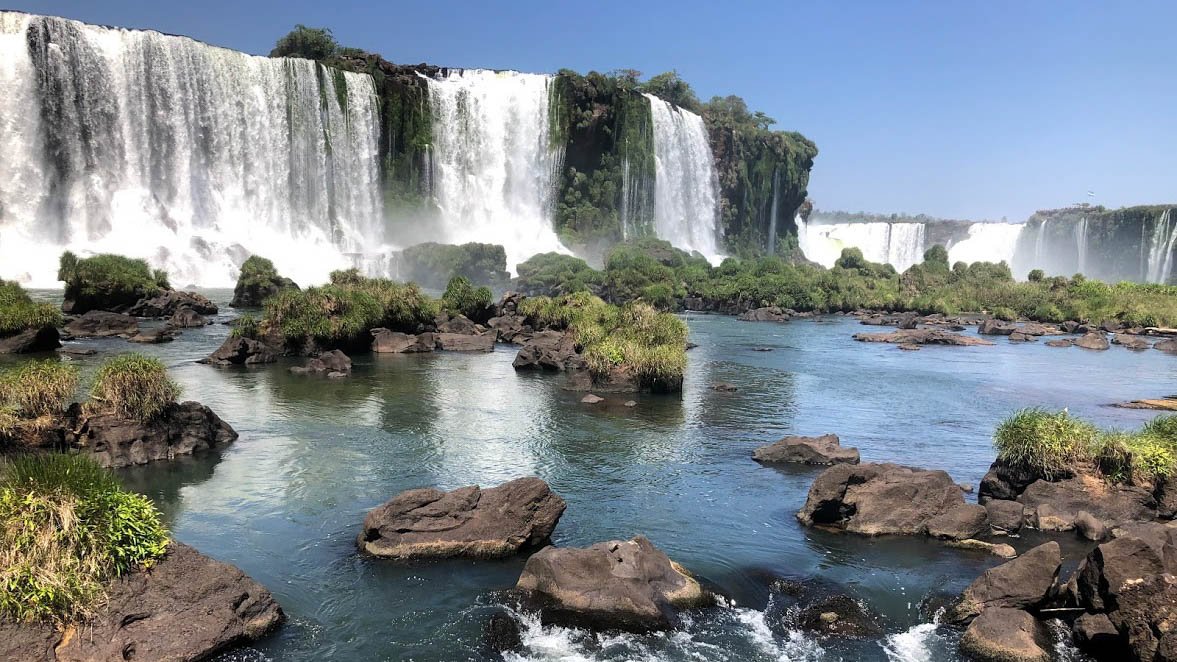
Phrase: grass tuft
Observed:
(19, 313)
(133, 385)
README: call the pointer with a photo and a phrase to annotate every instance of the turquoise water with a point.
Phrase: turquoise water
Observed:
(286, 500)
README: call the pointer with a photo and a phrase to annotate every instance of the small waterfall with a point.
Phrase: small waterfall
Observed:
(899, 244)
(686, 189)
(1040, 243)
(1081, 245)
(189, 155)
(773, 212)
(905, 245)
(1160, 252)
(987, 242)
(495, 166)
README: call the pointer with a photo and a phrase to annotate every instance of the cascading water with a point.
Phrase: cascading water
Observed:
(773, 213)
(898, 244)
(1160, 252)
(495, 165)
(1040, 242)
(987, 242)
(1081, 244)
(189, 155)
(686, 189)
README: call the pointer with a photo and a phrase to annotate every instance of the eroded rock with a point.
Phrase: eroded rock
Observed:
(826, 449)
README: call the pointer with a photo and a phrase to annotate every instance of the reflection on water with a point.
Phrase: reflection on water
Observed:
(286, 500)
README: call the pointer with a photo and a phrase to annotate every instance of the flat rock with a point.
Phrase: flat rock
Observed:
(995, 327)
(102, 324)
(31, 341)
(1130, 342)
(167, 303)
(113, 441)
(922, 337)
(469, 522)
(1092, 340)
(826, 449)
(1060, 342)
(1036, 329)
(591, 399)
(461, 342)
(153, 336)
(1162, 404)
(1026, 582)
(241, 351)
(630, 585)
(332, 363)
(1055, 506)
(395, 342)
(1006, 635)
(767, 314)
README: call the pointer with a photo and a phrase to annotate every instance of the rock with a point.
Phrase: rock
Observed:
(1110, 326)
(724, 387)
(1005, 517)
(1090, 527)
(1054, 506)
(1036, 329)
(958, 523)
(839, 615)
(509, 304)
(77, 351)
(114, 441)
(995, 327)
(1018, 336)
(769, 314)
(909, 347)
(510, 329)
(877, 499)
(922, 337)
(629, 585)
(1095, 634)
(1000, 550)
(1119, 564)
(240, 351)
(1004, 481)
(1092, 341)
(394, 342)
(501, 633)
(1146, 618)
(186, 318)
(1006, 635)
(1130, 342)
(253, 295)
(327, 363)
(1026, 582)
(1070, 326)
(31, 341)
(461, 342)
(908, 321)
(153, 336)
(549, 350)
(826, 449)
(458, 324)
(591, 399)
(1163, 404)
(631, 403)
(1004, 551)
(1060, 342)
(1169, 345)
(761, 349)
(170, 301)
(102, 324)
(186, 607)
(468, 522)
(967, 488)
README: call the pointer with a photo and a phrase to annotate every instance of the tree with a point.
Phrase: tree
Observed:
(670, 87)
(304, 42)
(936, 255)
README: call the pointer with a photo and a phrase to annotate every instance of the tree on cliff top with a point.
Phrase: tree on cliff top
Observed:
(309, 43)
(671, 87)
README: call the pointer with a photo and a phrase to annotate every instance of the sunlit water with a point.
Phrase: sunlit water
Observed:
(286, 500)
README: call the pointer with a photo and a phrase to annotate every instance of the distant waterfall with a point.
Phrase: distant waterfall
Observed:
(1160, 251)
(686, 189)
(898, 244)
(495, 165)
(1081, 245)
(189, 155)
(773, 212)
(987, 242)
(1040, 242)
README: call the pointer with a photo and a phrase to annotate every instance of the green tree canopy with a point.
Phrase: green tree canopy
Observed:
(309, 43)
(671, 87)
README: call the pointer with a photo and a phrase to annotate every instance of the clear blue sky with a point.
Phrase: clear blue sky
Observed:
(965, 110)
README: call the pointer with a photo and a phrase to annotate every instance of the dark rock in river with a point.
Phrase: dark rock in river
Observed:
(826, 449)
(186, 607)
(459, 324)
(995, 327)
(1027, 582)
(1005, 517)
(1070, 326)
(1130, 342)
(330, 363)
(241, 351)
(1055, 506)
(1006, 635)
(1169, 345)
(187, 318)
(501, 633)
(102, 324)
(629, 585)
(922, 337)
(31, 341)
(462, 342)
(1095, 634)
(395, 342)
(511, 329)
(1060, 342)
(879, 499)
(769, 314)
(468, 522)
(1095, 341)
(1037, 329)
(170, 301)
(253, 295)
(549, 350)
(725, 387)
(841, 616)
(114, 441)
(153, 336)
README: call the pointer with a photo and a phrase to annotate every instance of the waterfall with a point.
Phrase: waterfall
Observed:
(1160, 252)
(495, 164)
(898, 244)
(686, 189)
(186, 154)
(1081, 245)
(987, 242)
(772, 213)
(905, 245)
(1040, 243)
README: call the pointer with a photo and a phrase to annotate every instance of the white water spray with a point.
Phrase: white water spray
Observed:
(898, 244)
(987, 242)
(1160, 251)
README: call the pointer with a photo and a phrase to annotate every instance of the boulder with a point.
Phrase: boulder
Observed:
(240, 351)
(186, 607)
(31, 341)
(253, 295)
(329, 363)
(461, 342)
(908, 321)
(168, 302)
(114, 441)
(153, 336)
(826, 449)
(1006, 635)
(960, 522)
(1146, 619)
(1060, 342)
(841, 616)
(1095, 634)
(878, 499)
(1055, 506)
(511, 329)
(1169, 345)
(1130, 342)
(395, 342)
(1005, 517)
(1135, 554)
(1037, 329)
(629, 585)
(1110, 326)
(1070, 326)
(768, 314)
(922, 337)
(102, 324)
(995, 327)
(549, 350)
(724, 387)
(591, 399)
(459, 324)
(186, 318)
(1093, 340)
(1018, 336)
(468, 522)
(1090, 527)
(1007, 481)
(1027, 582)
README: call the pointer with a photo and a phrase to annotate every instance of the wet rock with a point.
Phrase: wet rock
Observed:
(1090, 527)
(922, 337)
(461, 342)
(186, 318)
(1005, 517)
(1094, 341)
(909, 348)
(591, 399)
(1060, 342)
(241, 351)
(761, 349)
(878, 499)
(31, 341)
(153, 336)
(1018, 336)
(468, 522)
(958, 523)
(1054, 506)
(394, 342)
(1095, 634)
(329, 363)
(501, 633)
(549, 350)
(115, 441)
(511, 329)
(458, 324)
(1130, 342)
(725, 387)
(170, 301)
(1169, 345)
(1026, 582)
(841, 616)
(186, 607)
(77, 351)
(826, 449)
(1006, 635)
(995, 327)
(768, 314)
(102, 324)
(630, 585)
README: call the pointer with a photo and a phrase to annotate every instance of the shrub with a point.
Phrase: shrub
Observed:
(1036, 276)
(134, 386)
(462, 298)
(936, 255)
(1163, 427)
(246, 326)
(342, 313)
(1005, 313)
(304, 42)
(18, 312)
(553, 274)
(1045, 442)
(107, 280)
(66, 528)
(38, 388)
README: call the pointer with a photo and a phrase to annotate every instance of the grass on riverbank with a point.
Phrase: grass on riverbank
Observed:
(18, 312)
(462, 298)
(1056, 443)
(30, 395)
(108, 279)
(134, 386)
(66, 528)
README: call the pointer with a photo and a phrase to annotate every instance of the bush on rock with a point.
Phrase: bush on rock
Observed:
(133, 386)
(107, 282)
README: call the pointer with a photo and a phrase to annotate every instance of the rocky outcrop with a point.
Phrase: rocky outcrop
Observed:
(826, 449)
(1055, 506)
(839, 616)
(254, 294)
(1130, 342)
(170, 302)
(395, 342)
(995, 327)
(629, 585)
(464, 342)
(332, 364)
(114, 441)
(549, 350)
(1060, 342)
(1027, 582)
(468, 522)
(241, 351)
(186, 607)
(31, 341)
(1162, 404)
(512, 329)
(1169, 345)
(102, 324)
(769, 314)
(1006, 635)
(1092, 340)
(459, 324)
(880, 499)
(922, 337)
(187, 318)
(154, 336)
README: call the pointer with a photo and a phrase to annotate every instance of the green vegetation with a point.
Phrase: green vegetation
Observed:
(553, 274)
(259, 280)
(648, 345)
(38, 388)
(18, 312)
(433, 265)
(246, 326)
(66, 528)
(304, 42)
(1051, 444)
(134, 386)
(462, 298)
(106, 281)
